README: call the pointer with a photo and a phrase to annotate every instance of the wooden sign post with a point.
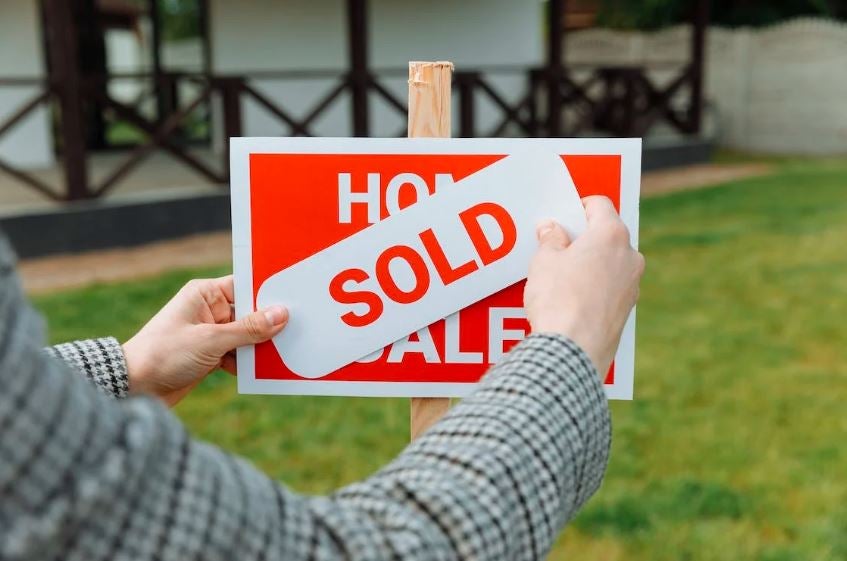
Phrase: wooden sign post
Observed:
(429, 116)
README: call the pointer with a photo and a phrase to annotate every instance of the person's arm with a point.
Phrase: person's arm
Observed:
(505, 469)
(192, 335)
(87, 477)
(83, 476)
(101, 361)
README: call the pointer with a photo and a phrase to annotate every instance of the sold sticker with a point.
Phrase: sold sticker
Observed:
(401, 261)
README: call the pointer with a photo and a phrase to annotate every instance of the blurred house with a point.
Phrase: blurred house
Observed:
(291, 53)
(90, 90)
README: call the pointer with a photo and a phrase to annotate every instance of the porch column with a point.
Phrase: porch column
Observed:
(359, 77)
(164, 101)
(555, 69)
(61, 33)
(700, 23)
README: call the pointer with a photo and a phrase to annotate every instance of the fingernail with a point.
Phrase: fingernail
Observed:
(276, 315)
(543, 227)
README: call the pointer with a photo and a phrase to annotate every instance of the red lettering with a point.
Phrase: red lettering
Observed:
(442, 266)
(339, 294)
(386, 281)
(470, 219)
(447, 273)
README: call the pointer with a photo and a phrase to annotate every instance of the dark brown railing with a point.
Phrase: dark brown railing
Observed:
(618, 101)
(43, 96)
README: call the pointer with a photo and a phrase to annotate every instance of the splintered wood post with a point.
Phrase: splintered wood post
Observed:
(429, 116)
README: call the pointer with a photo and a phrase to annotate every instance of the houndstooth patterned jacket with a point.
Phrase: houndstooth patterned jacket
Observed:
(84, 476)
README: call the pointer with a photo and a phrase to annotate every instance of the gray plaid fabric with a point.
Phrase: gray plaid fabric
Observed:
(99, 360)
(87, 477)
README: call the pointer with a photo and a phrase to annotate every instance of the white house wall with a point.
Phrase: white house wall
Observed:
(272, 35)
(29, 144)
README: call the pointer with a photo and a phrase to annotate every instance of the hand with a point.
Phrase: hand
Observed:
(191, 336)
(585, 290)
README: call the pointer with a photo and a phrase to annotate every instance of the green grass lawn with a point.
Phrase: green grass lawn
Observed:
(736, 444)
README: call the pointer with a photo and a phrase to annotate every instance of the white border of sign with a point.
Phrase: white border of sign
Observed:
(242, 254)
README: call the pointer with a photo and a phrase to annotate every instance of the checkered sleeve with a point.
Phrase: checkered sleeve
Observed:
(503, 472)
(100, 360)
(84, 476)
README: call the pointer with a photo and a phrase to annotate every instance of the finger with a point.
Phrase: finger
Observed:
(226, 285)
(217, 294)
(640, 264)
(550, 234)
(599, 208)
(222, 297)
(229, 363)
(249, 330)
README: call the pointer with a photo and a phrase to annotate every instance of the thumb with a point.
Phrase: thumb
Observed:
(249, 330)
(551, 235)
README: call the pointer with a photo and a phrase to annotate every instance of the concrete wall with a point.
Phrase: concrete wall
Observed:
(256, 35)
(30, 143)
(781, 89)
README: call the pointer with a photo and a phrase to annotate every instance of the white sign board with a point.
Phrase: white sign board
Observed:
(396, 257)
